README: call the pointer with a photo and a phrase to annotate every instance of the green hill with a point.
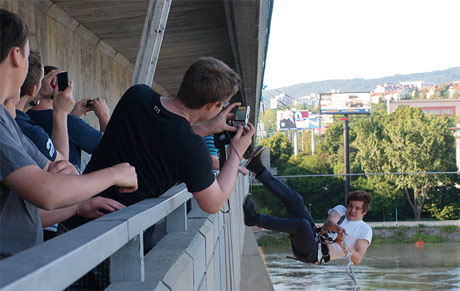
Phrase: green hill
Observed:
(360, 85)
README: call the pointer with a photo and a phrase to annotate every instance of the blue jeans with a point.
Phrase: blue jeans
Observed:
(299, 223)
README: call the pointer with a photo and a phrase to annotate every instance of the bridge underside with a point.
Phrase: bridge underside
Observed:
(233, 31)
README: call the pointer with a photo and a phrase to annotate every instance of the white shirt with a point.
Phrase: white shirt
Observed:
(355, 230)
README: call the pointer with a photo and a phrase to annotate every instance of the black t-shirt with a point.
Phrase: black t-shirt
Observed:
(159, 144)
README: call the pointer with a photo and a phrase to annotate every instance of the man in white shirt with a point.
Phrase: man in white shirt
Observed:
(299, 223)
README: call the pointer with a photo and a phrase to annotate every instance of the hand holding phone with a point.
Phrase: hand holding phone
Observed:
(242, 116)
(62, 80)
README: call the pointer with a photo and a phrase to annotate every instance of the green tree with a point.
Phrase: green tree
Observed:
(269, 120)
(281, 150)
(407, 140)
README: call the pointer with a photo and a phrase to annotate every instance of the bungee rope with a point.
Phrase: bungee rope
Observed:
(324, 238)
(349, 267)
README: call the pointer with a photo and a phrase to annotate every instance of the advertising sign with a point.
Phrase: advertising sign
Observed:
(345, 103)
(297, 120)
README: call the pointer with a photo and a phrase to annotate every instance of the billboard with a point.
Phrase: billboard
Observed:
(297, 120)
(345, 103)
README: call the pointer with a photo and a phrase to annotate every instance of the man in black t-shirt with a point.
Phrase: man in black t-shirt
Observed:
(160, 137)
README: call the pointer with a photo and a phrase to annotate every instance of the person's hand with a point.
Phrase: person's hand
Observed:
(340, 234)
(62, 167)
(63, 100)
(242, 139)
(219, 122)
(90, 208)
(126, 177)
(100, 108)
(80, 108)
(47, 89)
(243, 170)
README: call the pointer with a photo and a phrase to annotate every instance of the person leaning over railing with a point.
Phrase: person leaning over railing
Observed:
(29, 182)
(162, 138)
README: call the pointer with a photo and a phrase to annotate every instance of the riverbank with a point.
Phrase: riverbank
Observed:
(381, 235)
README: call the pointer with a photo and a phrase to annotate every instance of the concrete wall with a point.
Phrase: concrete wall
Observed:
(96, 68)
(213, 254)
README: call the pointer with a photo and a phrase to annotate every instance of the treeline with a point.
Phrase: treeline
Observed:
(407, 140)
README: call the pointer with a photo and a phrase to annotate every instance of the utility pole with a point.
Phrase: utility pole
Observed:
(346, 156)
(296, 143)
(312, 141)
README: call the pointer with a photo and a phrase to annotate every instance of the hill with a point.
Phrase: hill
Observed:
(360, 85)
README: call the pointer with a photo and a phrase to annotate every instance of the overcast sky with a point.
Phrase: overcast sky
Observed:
(314, 40)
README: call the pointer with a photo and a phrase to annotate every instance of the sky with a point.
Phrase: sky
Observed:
(315, 40)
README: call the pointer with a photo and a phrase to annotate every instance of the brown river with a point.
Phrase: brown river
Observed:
(385, 267)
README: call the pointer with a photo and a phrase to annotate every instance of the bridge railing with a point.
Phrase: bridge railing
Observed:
(57, 263)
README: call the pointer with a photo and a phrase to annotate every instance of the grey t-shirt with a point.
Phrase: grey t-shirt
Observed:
(20, 223)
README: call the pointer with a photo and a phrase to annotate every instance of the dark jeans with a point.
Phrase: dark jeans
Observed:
(299, 223)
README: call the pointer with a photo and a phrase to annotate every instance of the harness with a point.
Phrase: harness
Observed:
(322, 236)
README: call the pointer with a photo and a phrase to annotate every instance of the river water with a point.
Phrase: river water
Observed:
(385, 267)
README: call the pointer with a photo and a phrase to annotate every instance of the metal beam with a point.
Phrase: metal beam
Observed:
(152, 36)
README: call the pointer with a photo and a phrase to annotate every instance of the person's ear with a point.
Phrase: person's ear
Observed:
(33, 91)
(210, 105)
(16, 56)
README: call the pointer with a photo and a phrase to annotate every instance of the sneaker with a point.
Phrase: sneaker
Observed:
(254, 163)
(251, 217)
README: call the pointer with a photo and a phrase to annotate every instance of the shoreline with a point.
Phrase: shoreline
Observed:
(381, 234)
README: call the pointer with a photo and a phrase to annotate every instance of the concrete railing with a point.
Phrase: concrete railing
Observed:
(199, 252)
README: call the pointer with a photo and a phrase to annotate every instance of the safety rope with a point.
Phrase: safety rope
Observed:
(324, 238)
(349, 267)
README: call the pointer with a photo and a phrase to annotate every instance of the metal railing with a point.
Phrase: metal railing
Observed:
(59, 262)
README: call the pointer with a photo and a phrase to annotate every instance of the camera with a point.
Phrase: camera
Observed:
(242, 116)
(89, 103)
(62, 80)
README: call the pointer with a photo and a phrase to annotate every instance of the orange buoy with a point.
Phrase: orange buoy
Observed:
(420, 242)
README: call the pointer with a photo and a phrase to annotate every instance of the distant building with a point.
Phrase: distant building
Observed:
(281, 100)
(449, 107)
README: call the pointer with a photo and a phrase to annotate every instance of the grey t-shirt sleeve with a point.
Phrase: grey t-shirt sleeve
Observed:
(16, 151)
(34, 152)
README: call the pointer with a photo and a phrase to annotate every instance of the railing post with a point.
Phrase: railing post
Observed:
(177, 220)
(127, 264)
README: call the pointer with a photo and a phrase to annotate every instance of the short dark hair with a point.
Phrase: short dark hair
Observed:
(360, 195)
(14, 32)
(34, 74)
(207, 80)
(49, 69)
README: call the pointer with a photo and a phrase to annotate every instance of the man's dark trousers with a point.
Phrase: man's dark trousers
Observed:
(299, 223)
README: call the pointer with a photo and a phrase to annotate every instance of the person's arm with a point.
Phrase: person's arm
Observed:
(89, 209)
(50, 191)
(331, 223)
(358, 251)
(215, 162)
(80, 108)
(213, 198)
(62, 104)
(102, 112)
(218, 123)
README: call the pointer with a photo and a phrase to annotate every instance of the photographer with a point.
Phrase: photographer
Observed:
(82, 136)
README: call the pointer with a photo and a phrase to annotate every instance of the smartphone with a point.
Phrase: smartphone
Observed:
(62, 80)
(242, 116)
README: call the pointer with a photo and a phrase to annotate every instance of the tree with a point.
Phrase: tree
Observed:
(269, 120)
(407, 140)
(281, 149)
